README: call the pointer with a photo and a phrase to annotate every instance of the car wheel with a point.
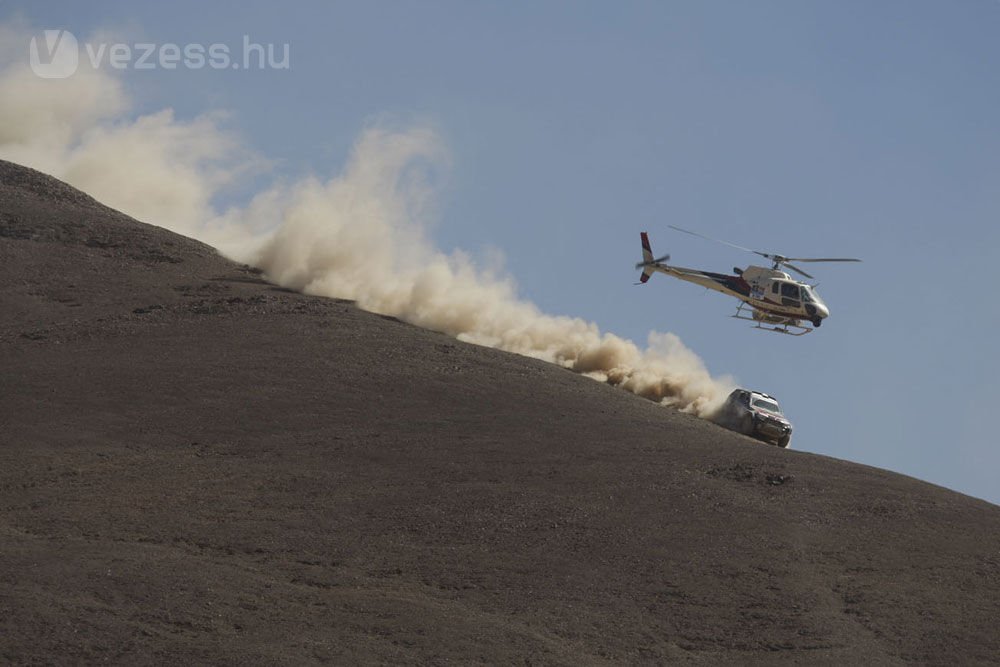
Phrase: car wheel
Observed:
(784, 440)
(746, 425)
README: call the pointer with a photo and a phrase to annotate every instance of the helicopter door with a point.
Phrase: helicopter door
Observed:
(790, 295)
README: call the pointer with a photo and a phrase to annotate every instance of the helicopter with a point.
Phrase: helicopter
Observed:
(769, 297)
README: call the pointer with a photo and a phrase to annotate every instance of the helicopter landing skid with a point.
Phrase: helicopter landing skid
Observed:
(787, 328)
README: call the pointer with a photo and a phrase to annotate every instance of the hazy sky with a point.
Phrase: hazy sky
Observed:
(865, 129)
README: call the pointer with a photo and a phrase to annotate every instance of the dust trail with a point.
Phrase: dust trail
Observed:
(360, 235)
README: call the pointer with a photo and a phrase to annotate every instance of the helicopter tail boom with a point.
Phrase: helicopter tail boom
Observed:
(733, 285)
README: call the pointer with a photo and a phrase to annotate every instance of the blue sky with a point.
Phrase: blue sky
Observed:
(807, 128)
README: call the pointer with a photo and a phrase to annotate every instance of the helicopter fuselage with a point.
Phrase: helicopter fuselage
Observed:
(773, 295)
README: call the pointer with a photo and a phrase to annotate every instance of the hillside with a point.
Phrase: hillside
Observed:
(199, 466)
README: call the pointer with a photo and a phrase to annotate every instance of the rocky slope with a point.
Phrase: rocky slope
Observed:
(199, 466)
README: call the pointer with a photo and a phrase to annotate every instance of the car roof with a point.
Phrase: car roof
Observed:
(754, 393)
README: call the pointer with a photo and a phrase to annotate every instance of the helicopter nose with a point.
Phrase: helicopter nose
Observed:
(817, 311)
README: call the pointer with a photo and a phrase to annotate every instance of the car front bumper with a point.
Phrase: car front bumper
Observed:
(770, 428)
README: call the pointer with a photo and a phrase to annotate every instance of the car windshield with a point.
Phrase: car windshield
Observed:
(765, 404)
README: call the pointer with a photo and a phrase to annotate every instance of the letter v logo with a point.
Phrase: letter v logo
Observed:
(54, 54)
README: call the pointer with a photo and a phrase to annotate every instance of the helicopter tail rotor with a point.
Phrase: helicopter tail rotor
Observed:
(648, 262)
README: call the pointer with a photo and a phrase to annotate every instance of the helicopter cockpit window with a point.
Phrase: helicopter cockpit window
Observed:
(790, 290)
(774, 287)
(806, 295)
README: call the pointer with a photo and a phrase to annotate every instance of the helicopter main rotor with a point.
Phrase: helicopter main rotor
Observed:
(779, 260)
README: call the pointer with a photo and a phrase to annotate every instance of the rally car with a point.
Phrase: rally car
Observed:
(755, 414)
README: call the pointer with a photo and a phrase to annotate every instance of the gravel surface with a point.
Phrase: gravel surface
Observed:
(198, 466)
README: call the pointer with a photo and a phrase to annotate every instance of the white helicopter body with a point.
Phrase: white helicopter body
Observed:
(772, 295)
